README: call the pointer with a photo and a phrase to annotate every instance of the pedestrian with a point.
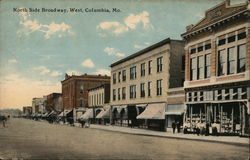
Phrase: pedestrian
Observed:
(178, 125)
(207, 129)
(173, 126)
(4, 121)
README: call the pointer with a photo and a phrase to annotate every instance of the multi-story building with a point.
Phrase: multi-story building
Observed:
(143, 79)
(27, 110)
(217, 77)
(54, 102)
(75, 89)
(38, 105)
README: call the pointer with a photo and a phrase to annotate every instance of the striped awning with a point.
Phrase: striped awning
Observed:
(153, 111)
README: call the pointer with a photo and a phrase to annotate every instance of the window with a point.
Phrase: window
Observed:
(81, 103)
(132, 91)
(222, 42)
(159, 64)
(231, 61)
(133, 72)
(195, 96)
(81, 88)
(149, 89)
(226, 95)
(150, 67)
(114, 78)
(114, 95)
(119, 77)
(244, 93)
(123, 93)
(200, 48)
(143, 69)
(124, 75)
(221, 63)
(219, 95)
(241, 35)
(193, 72)
(190, 97)
(208, 46)
(142, 90)
(193, 50)
(119, 94)
(97, 99)
(183, 63)
(207, 65)
(241, 58)
(231, 39)
(159, 87)
(201, 96)
(200, 67)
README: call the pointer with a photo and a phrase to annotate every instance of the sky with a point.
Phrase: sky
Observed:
(38, 48)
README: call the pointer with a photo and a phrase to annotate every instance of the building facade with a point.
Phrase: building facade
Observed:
(75, 89)
(38, 105)
(27, 110)
(144, 78)
(54, 102)
(217, 77)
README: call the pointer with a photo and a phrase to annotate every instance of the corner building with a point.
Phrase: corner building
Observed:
(217, 76)
(139, 83)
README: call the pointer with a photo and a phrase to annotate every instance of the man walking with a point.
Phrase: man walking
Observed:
(173, 126)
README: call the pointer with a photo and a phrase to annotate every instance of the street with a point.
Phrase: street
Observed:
(28, 139)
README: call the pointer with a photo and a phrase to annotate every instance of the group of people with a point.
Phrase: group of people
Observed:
(176, 125)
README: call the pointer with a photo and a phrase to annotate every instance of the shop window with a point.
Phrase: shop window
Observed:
(142, 90)
(241, 35)
(241, 58)
(159, 64)
(200, 48)
(149, 89)
(142, 69)
(208, 46)
(200, 67)
(221, 63)
(193, 50)
(133, 72)
(193, 68)
(159, 87)
(124, 75)
(150, 67)
(231, 39)
(231, 61)
(207, 65)
(222, 42)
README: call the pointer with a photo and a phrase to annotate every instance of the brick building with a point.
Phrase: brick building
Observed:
(217, 77)
(54, 102)
(75, 89)
(27, 110)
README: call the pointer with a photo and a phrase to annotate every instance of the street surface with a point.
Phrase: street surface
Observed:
(28, 139)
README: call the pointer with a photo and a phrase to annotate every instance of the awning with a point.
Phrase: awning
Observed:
(119, 108)
(153, 111)
(64, 113)
(45, 114)
(103, 114)
(88, 114)
(52, 112)
(141, 105)
(174, 109)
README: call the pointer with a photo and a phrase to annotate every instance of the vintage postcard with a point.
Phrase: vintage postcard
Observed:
(132, 80)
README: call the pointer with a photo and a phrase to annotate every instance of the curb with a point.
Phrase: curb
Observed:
(182, 138)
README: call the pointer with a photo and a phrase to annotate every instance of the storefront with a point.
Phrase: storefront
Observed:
(104, 116)
(174, 114)
(119, 115)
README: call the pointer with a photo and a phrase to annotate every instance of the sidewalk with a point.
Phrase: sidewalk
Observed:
(145, 132)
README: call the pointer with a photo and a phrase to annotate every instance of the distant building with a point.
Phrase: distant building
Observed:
(38, 105)
(142, 80)
(27, 110)
(75, 89)
(54, 102)
(217, 77)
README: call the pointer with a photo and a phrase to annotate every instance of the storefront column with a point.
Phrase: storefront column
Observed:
(215, 107)
(241, 125)
(205, 105)
(221, 110)
(191, 116)
(233, 119)
(244, 119)
(200, 115)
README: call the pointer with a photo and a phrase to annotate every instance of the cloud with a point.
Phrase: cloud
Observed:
(55, 74)
(25, 88)
(113, 52)
(43, 70)
(73, 72)
(138, 46)
(130, 23)
(103, 72)
(12, 61)
(30, 26)
(141, 46)
(88, 63)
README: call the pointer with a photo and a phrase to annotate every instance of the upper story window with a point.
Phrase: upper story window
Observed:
(123, 93)
(149, 89)
(241, 58)
(119, 94)
(159, 87)
(193, 68)
(231, 37)
(207, 65)
(114, 95)
(183, 63)
(143, 69)
(200, 67)
(142, 90)
(231, 60)
(132, 91)
(241, 35)
(133, 72)
(81, 88)
(207, 46)
(119, 76)
(200, 48)
(222, 40)
(159, 64)
(150, 67)
(124, 75)
(114, 78)
(193, 50)
(221, 62)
